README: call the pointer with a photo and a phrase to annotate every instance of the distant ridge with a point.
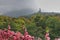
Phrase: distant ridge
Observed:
(28, 12)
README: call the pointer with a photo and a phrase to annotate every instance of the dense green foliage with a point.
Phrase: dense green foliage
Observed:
(37, 24)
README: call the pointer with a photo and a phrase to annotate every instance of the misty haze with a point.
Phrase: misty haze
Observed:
(17, 8)
(29, 19)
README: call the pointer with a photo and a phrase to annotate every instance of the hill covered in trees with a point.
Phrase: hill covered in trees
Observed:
(37, 24)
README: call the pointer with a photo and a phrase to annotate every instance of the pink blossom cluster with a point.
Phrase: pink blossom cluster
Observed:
(11, 35)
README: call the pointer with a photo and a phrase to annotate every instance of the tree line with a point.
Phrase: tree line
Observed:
(37, 24)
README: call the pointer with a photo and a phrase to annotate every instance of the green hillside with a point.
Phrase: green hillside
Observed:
(37, 24)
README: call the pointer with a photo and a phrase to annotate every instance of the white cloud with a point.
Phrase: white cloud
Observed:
(50, 5)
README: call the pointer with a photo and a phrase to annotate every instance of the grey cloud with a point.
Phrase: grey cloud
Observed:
(22, 7)
(7, 6)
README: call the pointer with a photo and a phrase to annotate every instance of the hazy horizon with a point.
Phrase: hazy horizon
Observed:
(10, 6)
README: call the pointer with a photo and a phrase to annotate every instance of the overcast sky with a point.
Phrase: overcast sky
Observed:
(45, 5)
